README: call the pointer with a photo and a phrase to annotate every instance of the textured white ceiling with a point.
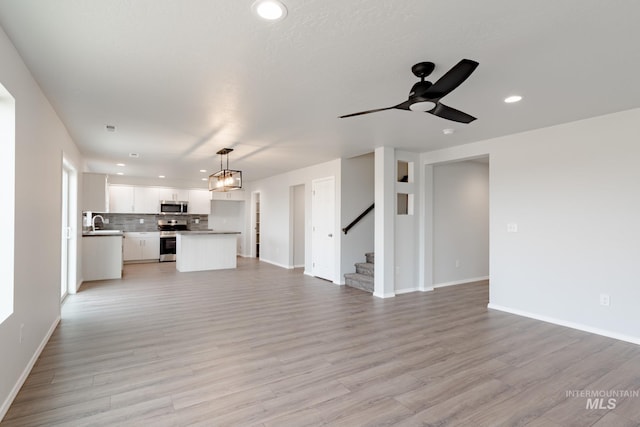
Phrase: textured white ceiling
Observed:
(182, 79)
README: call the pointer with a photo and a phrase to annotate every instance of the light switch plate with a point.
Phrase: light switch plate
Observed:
(141, 220)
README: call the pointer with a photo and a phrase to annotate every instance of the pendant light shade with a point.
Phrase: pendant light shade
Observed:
(225, 179)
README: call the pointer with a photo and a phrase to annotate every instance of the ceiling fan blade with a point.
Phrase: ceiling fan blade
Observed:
(449, 113)
(367, 112)
(451, 79)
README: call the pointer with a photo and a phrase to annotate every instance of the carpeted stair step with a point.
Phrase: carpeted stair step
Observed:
(365, 268)
(359, 281)
(370, 257)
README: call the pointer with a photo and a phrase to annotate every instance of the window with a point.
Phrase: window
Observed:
(7, 192)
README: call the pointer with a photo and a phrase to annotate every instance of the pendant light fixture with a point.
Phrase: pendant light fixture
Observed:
(225, 179)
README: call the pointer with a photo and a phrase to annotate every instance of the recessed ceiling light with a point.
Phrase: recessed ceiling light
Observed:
(134, 155)
(512, 99)
(204, 179)
(271, 10)
(120, 164)
(203, 170)
(160, 176)
(110, 128)
(120, 173)
(447, 131)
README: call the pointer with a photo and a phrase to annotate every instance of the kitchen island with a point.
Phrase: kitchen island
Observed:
(206, 250)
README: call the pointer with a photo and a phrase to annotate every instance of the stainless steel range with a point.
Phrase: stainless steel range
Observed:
(168, 229)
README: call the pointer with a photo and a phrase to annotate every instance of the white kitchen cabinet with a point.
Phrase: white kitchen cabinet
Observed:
(175, 194)
(141, 246)
(101, 257)
(199, 202)
(95, 193)
(146, 200)
(228, 195)
(121, 199)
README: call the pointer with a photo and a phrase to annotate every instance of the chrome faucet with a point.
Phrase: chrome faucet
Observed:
(93, 222)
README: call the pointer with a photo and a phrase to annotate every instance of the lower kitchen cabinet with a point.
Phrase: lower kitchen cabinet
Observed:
(141, 246)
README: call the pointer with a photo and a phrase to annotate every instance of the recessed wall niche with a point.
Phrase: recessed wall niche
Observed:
(405, 204)
(405, 171)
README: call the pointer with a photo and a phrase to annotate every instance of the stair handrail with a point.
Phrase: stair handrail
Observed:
(357, 220)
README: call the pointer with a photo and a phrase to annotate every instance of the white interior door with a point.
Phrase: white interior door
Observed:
(323, 228)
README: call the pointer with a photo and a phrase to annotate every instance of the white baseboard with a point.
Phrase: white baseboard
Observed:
(460, 282)
(405, 291)
(389, 295)
(568, 324)
(277, 264)
(27, 370)
(298, 266)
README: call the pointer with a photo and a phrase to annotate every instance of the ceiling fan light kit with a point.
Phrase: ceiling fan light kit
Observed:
(425, 96)
(225, 179)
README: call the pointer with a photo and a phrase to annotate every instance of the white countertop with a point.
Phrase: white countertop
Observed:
(207, 232)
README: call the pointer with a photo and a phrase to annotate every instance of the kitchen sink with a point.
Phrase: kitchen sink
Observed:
(102, 232)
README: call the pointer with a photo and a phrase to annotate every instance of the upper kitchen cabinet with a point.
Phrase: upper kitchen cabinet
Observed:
(199, 202)
(94, 192)
(175, 194)
(146, 200)
(228, 195)
(120, 199)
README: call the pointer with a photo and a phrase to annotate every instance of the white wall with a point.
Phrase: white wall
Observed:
(357, 195)
(275, 213)
(41, 139)
(572, 190)
(461, 222)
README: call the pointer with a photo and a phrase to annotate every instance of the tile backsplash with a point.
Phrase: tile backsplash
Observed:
(131, 222)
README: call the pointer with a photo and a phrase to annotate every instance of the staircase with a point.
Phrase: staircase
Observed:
(363, 277)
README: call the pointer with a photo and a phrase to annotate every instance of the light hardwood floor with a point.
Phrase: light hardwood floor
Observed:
(266, 346)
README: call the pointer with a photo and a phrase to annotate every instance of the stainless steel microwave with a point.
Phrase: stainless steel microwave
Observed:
(173, 207)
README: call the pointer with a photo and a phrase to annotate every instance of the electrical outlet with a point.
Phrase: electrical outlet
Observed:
(605, 300)
(106, 220)
(197, 220)
(141, 220)
(512, 227)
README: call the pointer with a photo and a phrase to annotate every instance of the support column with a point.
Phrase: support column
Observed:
(385, 200)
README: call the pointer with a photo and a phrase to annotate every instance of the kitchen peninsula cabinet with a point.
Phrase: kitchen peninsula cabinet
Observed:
(101, 257)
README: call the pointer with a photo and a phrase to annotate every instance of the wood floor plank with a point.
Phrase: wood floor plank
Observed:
(266, 346)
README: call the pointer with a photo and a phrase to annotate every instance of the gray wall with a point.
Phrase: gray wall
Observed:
(572, 191)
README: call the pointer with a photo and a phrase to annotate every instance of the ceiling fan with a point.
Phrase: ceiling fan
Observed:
(425, 96)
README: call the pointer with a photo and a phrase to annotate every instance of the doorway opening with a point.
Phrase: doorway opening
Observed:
(460, 222)
(68, 252)
(256, 223)
(297, 226)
